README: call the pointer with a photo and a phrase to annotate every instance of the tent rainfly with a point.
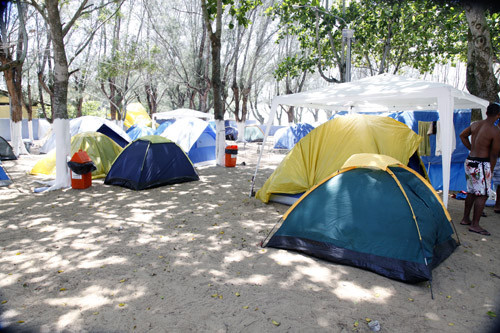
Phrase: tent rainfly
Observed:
(387, 92)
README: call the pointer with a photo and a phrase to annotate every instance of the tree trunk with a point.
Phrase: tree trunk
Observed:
(480, 78)
(60, 106)
(215, 41)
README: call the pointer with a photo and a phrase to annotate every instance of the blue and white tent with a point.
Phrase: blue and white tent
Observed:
(4, 178)
(287, 137)
(196, 137)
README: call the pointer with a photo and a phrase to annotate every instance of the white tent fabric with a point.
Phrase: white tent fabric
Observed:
(80, 125)
(388, 92)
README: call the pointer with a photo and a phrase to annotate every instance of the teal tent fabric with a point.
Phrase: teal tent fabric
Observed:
(361, 217)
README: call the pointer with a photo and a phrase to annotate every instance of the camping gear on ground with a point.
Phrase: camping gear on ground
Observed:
(100, 148)
(374, 213)
(136, 115)
(195, 136)
(326, 148)
(6, 151)
(231, 133)
(106, 130)
(138, 131)
(231, 154)
(81, 167)
(286, 138)
(151, 161)
(81, 125)
(4, 178)
(388, 93)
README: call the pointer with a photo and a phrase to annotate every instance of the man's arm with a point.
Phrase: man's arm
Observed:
(464, 136)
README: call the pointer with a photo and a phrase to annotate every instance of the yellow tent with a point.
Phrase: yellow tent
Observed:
(325, 149)
(136, 114)
(101, 149)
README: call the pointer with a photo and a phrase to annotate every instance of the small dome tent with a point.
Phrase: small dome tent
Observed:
(325, 149)
(195, 136)
(376, 214)
(101, 149)
(136, 115)
(81, 125)
(6, 151)
(151, 161)
(253, 133)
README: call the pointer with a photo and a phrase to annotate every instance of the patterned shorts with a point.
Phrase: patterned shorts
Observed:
(478, 175)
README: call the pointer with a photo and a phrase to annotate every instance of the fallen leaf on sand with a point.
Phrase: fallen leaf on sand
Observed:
(368, 320)
(410, 299)
(3, 302)
(62, 289)
(237, 294)
(451, 324)
(121, 304)
(246, 307)
(491, 314)
(20, 321)
(276, 323)
(96, 313)
(356, 324)
(123, 280)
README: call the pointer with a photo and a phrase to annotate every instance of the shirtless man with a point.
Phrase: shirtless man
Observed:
(484, 148)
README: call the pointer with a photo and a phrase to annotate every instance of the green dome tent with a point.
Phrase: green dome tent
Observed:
(376, 214)
(101, 149)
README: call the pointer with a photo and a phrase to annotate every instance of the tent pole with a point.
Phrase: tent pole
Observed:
(270, 120)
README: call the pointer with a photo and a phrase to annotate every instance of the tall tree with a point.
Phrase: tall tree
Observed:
(212, 13)
(50, 10)
(480, 79)
(12, 56)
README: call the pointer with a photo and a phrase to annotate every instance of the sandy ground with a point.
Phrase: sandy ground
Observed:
(185, 258)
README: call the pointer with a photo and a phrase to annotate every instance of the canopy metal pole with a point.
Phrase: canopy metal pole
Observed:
(270, 120)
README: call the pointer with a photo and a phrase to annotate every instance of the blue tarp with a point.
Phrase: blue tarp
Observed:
(138, 131)
(433, 163)
(290, 135)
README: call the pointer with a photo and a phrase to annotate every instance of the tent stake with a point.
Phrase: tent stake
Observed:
(430, 285)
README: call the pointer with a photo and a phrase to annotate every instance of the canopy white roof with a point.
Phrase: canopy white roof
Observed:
(181, 113)
(388, 92)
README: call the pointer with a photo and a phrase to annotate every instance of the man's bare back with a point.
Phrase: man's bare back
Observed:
(485, 139)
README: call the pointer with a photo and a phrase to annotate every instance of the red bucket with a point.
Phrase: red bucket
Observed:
(231, 152)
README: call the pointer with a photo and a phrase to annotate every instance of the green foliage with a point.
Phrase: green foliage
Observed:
(123, 62)
(89, 108)
(237, 9)
(388, 34)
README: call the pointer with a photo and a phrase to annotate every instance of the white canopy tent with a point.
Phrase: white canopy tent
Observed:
(181, 113)
(387, 92)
